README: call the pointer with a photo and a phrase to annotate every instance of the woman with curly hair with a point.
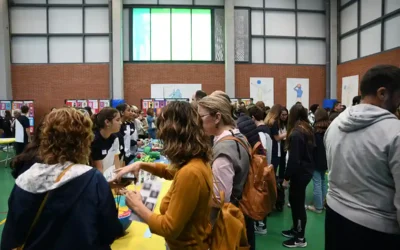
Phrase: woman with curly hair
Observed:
(299, 171)
(62, 203)
(184, 212)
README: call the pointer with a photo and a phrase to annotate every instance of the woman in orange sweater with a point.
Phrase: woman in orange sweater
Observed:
(185, 209)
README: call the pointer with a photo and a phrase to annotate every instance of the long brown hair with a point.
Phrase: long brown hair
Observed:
(321, 121)
(180, 128)
(273, 115)
(298, 120)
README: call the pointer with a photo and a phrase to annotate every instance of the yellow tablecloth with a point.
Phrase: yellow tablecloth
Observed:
(7, 140)
(135, 237)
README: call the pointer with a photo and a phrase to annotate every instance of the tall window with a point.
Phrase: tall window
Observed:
(169, 34)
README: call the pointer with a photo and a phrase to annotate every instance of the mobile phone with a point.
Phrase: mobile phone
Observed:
(129, 176)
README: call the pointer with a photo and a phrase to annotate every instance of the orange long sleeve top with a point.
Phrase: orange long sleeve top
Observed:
(185, 209)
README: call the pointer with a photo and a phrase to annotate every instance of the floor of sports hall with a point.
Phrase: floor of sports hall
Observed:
(276, 221)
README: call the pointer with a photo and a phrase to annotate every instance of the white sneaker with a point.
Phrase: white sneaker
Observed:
(313, 209)
(260, 230)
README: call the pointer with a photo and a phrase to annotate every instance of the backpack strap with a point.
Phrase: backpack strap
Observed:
(233, 138)
(39, 212)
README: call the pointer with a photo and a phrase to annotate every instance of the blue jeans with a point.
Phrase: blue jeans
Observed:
(320, 189)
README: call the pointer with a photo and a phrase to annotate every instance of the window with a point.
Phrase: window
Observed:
(171, 34)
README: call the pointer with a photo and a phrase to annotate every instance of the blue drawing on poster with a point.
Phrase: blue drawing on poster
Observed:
(8, 106)
(258, 81)
(299, 92)
(176, 93)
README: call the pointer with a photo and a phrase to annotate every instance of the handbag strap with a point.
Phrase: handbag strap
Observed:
(39, 212)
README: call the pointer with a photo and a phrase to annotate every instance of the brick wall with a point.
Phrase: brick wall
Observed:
(360, 66)
(139, 77)
(50, 84)
(316, 74)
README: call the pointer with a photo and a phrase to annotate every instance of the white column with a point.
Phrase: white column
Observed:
(334, 46)
(5, 72)
(116, 62)
(230, 48)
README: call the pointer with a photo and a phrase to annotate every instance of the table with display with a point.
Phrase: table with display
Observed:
(6, 146)
(138, 234)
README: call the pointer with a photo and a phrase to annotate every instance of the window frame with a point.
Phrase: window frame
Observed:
(48, 35)
(130, 8)
(361, 27)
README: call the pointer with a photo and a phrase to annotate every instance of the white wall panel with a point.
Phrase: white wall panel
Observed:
(280, 51)
(30, 1)
(96, 20)
(182, 2)
(348, 48)
(65, 20)
(96, 1)
(29, 50)
(257, 22)
(370, 40)
(140, 2)
(28, 20)
(209, 2)
(391, 5)
(125, 24)
(311, 25)
(392, 32)
(311, 52)
(311, 5)
(66, 50)
(348, 18)
(249, 3)
(280, 23)
(343, 2)
(65, 1)
(370, 10)
(257, 50)
(283, 4)
(97, 49)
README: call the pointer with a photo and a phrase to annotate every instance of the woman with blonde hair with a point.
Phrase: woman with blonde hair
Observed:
(185, 210)
(62, 203)
(231, 161)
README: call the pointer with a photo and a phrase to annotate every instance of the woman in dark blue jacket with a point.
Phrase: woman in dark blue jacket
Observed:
(79, 210)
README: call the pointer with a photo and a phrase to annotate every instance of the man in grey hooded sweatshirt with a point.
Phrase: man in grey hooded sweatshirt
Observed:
(363, 153)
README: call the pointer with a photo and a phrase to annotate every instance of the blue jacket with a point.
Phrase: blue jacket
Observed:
(80, 212)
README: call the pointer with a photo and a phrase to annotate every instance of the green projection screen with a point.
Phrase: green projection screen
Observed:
(141, 34)
(201, 35)
(177, 34)
(181, 35)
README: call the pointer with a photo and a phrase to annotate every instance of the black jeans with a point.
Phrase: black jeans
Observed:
(297, 195)
(341, 233)
(251, 238)
(281, 163)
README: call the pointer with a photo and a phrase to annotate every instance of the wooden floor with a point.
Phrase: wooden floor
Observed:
(276, 221)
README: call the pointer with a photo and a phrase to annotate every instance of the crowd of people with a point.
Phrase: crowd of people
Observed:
(61, 194)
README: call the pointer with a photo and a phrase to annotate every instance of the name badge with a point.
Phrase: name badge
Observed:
(104, 152)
